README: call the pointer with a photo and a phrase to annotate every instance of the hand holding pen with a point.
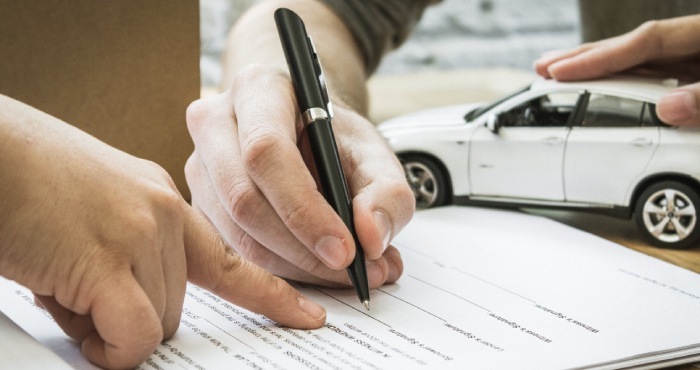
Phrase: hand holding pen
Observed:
(248, 176)
(316, 112)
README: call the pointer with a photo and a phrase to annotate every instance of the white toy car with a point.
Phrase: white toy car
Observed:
(595, 145)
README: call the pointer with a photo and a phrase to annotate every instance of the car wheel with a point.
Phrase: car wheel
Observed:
(426, 180)
(667, 215)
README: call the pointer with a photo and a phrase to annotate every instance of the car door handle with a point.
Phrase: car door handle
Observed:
(553, 140)
(641, 141)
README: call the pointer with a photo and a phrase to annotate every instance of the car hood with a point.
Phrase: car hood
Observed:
(435, 117)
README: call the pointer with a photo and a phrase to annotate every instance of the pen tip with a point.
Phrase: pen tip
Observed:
(366, 304)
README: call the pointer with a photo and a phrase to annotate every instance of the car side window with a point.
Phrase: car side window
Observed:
(649, 117)
(550, 110)
(613, 111)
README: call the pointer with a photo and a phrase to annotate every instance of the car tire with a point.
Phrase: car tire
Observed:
(426, 179)
(666, 213)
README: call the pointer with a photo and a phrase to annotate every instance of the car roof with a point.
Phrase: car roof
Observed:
(641, 88)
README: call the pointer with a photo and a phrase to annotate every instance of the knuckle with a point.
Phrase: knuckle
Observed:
(296, 216)
(230, 265)
(278, 288)
(258, 74)
(196, 114)
(648, 36)
(171, 202)
(144, 228)
(163, 192)
(260, 149)
(243, 199)
(192, 170)
(401, 193)
(648, 26)
(248, 247)
(251, 72)
(161, 175)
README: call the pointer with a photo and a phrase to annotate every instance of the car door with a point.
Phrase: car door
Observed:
(609, 149)
(524, 158)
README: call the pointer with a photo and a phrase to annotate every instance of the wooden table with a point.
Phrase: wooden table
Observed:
(623, 231)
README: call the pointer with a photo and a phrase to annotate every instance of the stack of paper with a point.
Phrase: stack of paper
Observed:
(482, 288)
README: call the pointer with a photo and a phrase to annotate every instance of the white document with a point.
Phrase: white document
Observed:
(18, 350)
(482, 289)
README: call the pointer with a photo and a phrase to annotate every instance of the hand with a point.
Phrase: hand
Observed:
(249, 178)
(106, 243)
(667, 48)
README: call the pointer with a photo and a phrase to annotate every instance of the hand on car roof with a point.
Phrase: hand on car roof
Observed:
(665, 48)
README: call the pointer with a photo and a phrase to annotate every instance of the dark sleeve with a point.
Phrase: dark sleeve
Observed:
(379, 25)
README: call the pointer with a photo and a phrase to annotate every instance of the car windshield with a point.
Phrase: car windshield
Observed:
(481, 110)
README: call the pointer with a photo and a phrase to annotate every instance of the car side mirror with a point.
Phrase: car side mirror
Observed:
(493, 123)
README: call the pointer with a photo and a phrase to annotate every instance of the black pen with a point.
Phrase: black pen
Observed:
(315, 107)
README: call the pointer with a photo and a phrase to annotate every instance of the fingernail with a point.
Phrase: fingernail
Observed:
(677, 106)
(313, 309)
(332, 251)
(381, 222)
(374, 274)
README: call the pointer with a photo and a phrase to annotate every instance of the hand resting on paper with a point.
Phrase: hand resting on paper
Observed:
(666, 48)
(106, 243)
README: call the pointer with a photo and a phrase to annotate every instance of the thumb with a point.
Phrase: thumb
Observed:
(680, 106)
(214, 266)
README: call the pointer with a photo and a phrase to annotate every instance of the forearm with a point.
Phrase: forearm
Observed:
(16, 124)
(19, 155)
(24, 149)
(254, 39)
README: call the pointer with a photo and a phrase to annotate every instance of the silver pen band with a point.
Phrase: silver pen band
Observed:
(313, 114)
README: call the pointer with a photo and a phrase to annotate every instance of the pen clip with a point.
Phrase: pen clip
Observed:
(320, 77)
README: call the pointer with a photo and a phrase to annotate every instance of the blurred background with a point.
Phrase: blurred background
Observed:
(479, 50)
(454, 34)
(461, 51)
(465, 50)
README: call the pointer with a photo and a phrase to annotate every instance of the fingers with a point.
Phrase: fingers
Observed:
(385, 269)
(393, 259)
(128, 328)
(680, 106)
(267, 204)
(212, 265)
(74, 325)
(174, 270)
(542, 64)
(602, 58)
(261, 178)
(650, 42)
(268, 139)
(384, 203)
(381, 211)
(113, 344)
(273, 248)
(656, 46)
